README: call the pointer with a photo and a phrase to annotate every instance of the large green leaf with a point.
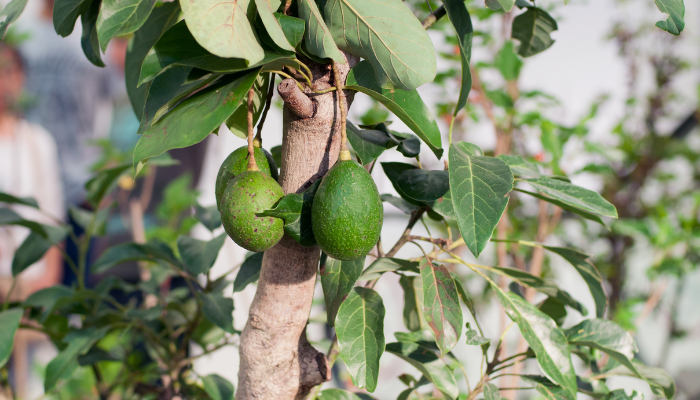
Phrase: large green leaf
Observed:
(337, 279)
(317, 38)
(249, 272)
(359, 326)
(543, 286)
(544, 337)
(547, 388)
(66, 362)
(367, 144)
(407, 105)
(441, 305)
(388, 264)
(462, 21)
(160, 20)
(219, 310)
(574, 196)
(217, 387)
(588, 272)
(424, 185)
(564, 206)
(197, 255)
(606, 336)
(519, 166)
(478, 185)
(532, 28)
(676, 10)
(66, 13)
(369, 30)
(223, 28)
(429, 364)
(30, 251)
(151, 252)
(11, 12)
(195, 118)
(121, 17)
(272, 25)
(413, 317)
(89, 41)
(295, 210)
(9, 323)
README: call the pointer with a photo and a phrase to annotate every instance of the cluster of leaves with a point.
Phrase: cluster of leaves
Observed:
(187, 77)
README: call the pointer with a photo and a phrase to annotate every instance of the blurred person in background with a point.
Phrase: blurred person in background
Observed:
(28, 168)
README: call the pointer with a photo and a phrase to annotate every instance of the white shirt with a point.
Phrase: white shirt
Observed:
(28, 168)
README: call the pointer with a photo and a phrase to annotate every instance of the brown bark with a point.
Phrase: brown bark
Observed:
(277, 361)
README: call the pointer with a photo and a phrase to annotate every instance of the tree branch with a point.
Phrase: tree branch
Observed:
(297, 101)
(433, 17)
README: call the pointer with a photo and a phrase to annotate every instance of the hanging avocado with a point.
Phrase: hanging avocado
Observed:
(237, 163)
(347, 212)
(246, 195)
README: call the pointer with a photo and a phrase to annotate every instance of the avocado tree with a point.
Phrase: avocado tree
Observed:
(192, 66)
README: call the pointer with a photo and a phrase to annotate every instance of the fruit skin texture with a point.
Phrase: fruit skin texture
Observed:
(237, 163)
(347, 212)
(246, 195)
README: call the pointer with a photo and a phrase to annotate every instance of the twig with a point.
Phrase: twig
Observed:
(344, 153)
(268, 103)
(252, 164)
(433, 17)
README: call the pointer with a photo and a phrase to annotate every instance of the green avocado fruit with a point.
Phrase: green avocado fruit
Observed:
(246, 195)
(347, 212)
(237, 163)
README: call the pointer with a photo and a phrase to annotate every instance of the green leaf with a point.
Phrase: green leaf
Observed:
(249, 272)
(519, 166)
(9, 323)
(478, 185)
(588, 272)
(500, 4)
(422, 337)
(292, 27)
(89, 41)
(543, 286)
(473, 338)
(465, 296)
(574, 196)
(406, 105)
(660, 382)
(238, 122)
(208, 216)
(367, 144)
(393, 170)
(30, 251)
(340, 394)
(532, 28)
(12, 11)
(462, 21)
(272, 25)
(337, 279)
(193, 119)
(219, 310)
(544, 337)
(160, 20)
(606, 336)
(619, 394)
(66, 13)
(444, 206)
(217, 388)
(317, 38)
(413, 317)
(508, 63)
(66, 362)
(564, 206)
(441, 305)
(424, 185)
(555, 309)
(151, 252)
(51, 233)
(102, 183)
(46, 299)
(25, 201)
(83, 218)
(429, 364)
(388, 264)
(121, 17)
(295, 210)
(197, 255)
(359, 326)
(547, 389)
(491, 392)
(399, 203)
(369, 30)
(675, 9)
(223, 28)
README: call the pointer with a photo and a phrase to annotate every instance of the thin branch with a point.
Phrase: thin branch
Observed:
(268, 103)
(433, 17)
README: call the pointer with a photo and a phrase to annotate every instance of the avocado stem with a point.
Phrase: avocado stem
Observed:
(344, 153)
(252, 165)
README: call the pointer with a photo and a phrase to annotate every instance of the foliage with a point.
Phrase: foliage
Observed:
(187, 78)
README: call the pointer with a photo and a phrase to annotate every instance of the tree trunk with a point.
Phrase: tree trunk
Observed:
(277, 361)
